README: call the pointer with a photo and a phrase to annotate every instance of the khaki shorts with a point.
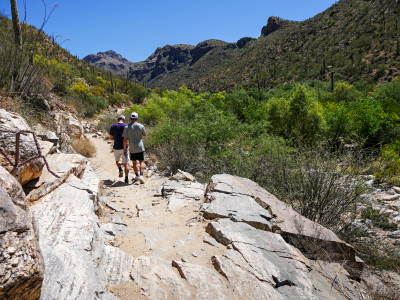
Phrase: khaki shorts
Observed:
(119, 153)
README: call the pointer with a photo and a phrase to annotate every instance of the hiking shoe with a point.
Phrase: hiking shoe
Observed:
(136, 179)
(126, 180)
(141, 179)
(121, 173)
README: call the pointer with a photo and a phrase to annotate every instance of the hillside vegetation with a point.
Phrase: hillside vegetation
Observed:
(28, 76)
(309, 146)
(353, 39)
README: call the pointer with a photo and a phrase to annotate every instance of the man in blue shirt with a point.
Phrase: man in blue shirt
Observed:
(116, 135)
(135, 132)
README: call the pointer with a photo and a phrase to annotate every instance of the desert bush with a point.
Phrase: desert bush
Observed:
(84, 146)
(306, 116)
(390, 90)
(388, 164)
(378, 219)
(320, 185)
(107, 121)
(176, 155)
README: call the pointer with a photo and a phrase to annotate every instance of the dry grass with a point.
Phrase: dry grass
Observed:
(84, 146)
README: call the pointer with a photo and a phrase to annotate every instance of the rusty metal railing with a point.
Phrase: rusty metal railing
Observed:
(17, 164)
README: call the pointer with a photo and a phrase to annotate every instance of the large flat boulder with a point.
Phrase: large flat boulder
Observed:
(243, 200)
(77, 263)
(27, 147)
(63, 165)
(181, 192)
(273, 269)
(21, 261)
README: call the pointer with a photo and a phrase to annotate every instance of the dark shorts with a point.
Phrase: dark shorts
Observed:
(137, 156)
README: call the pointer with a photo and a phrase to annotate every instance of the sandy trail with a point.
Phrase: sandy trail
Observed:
(154, 231)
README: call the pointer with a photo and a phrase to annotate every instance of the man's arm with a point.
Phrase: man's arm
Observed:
(111, 137)
(125, 142)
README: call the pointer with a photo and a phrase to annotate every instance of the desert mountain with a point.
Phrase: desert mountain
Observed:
(109, 61)
(356, 39)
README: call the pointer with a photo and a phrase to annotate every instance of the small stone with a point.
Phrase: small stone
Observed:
(397, 243)
(196, 253)
(369, 182)
(385, 212)
(389, 197)
(115, 207)
(155, 202)
(211, 242)
(15, 262)
(396, 189)
(11, 250)
(394, 234)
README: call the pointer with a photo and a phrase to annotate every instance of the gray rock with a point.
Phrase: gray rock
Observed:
(21, 260)
(239, 208)
(196, 253)
(113, 228)
(194, 189)
(265, 262)
(298, 230)
(27, 147)
(152, 236)
(182, 193)
(158, 279)
(117, 219)
(177, 201)
(93, 183)
(63, 165)
(386, 197)
(246, 284)
(143, 211)
(72, 245)
(115, 207)
(362, 227)
(211, 242)
(181, 175)
(396, 189)
(208, 283)
(183, 241)
(270, 258)
(394, 234)
(116, 265)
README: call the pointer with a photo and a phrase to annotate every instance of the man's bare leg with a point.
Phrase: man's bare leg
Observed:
(126, 169)
(142, 165)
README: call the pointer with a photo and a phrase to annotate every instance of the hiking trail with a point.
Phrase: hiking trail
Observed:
(151, 229)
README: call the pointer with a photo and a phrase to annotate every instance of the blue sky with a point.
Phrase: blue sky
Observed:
(135, 29)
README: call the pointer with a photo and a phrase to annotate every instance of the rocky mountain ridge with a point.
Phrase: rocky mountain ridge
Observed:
(109, 61)
(349, 38)
(167, 60)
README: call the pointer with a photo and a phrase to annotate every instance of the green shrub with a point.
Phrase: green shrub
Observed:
(388, 164)
(390, 90)
(378, 219)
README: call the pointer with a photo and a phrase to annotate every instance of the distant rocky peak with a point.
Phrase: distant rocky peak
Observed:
(274, 23)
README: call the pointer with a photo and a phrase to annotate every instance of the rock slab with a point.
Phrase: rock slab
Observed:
(21, 261)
